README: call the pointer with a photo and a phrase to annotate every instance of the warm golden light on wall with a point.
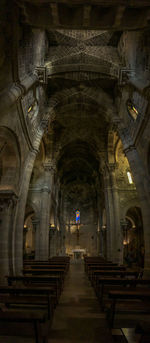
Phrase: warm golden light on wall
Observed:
(126, 242)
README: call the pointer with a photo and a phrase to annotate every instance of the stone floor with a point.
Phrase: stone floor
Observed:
(78, 317)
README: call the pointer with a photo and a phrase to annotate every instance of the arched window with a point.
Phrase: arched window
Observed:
(77, 217)
(129, 175)
(132, 110)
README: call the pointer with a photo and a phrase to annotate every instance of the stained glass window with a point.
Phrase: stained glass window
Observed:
(77, 217)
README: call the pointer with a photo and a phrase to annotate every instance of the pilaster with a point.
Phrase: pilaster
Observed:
(8, 202)
(43, 234)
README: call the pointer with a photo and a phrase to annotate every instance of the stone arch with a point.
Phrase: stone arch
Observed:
(130, 204)
(98, 96)
(134, 235)
(31, 210)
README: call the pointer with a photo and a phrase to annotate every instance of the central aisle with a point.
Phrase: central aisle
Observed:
(78, 317)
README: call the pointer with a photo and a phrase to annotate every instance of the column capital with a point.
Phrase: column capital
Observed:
(50, 166)
(8, 198)
(35, 222)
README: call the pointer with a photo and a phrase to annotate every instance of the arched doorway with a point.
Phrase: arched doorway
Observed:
(133, 238)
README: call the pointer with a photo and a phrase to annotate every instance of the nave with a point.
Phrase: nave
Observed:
(74, 169)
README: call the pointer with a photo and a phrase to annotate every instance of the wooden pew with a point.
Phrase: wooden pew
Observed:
(49, 292)
(36, 319)
(25, 301)
(18, 304)
(112, 273)
(54, 268)
(120, 297)
(46, 272)
(104, 285)
(45, 280)
(89, 261)
(94, 269)
(47, 264)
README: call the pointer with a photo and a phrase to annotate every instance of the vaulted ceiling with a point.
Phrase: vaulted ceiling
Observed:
(82, 63)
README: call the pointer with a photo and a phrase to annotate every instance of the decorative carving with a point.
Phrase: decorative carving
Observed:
(125, 75)
(41, 72)
(50, 166)
(35, 223)
(8, 199)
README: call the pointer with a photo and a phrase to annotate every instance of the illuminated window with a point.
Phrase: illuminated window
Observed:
(30, 109)
(129, 177)
(77, 217)
(132, 110)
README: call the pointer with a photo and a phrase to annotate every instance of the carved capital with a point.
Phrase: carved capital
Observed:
(50, 166)
(45, 189)
(8, 199)
(41, 73)
(125, 75)
(35, 223)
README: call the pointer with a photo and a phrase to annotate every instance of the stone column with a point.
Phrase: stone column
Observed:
(49, 169)
(8, 200)
(35, 224)
(17, 254)
(109, 214)
(117, 246)
(53, 237)
(99, 247)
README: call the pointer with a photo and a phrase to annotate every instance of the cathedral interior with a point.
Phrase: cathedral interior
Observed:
(74, 163)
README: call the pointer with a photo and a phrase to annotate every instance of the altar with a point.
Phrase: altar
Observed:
(78, 253)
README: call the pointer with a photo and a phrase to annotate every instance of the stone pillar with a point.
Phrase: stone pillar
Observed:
(35, 224)
(117, 246)
(53, 237)
(104, 240)
(109, 214)
(17, 254)
(8, 200)
(99, 248)
(45, 211)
